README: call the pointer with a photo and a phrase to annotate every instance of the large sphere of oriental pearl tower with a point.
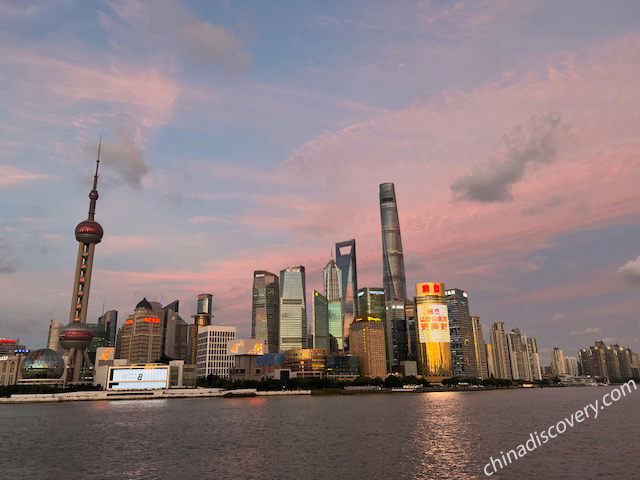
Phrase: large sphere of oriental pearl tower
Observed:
(76, 335)
(89, 231)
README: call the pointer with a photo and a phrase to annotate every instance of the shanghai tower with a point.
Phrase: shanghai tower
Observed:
(395, 285)
(394, 281)
(77, 335)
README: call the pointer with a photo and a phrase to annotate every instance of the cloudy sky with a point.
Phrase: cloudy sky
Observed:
(253, 135)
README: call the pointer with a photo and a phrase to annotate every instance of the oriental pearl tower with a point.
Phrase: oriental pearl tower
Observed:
(77, 335)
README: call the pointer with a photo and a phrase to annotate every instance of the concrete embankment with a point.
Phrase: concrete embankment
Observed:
(143, 395)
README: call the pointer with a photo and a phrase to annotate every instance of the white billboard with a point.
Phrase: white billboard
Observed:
(138, 378)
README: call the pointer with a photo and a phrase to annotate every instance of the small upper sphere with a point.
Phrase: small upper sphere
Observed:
(144, 305)
(76, 335)
(89, 231)
(43, 363)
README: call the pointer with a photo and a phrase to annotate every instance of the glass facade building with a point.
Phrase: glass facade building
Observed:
(293, 309)
(434, 340)
(392, 257)
(462, 349)
(335, 325)
(332, 280)
(265, 309)
(321, 339)
(371, 301)
(109, 321)
(346, 261)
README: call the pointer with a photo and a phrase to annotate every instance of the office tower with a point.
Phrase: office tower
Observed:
(412, 333)
(202, 318)
(499, 351)
(140, 338)
(332, 280)
(392, 257)
(212, 357)
(293, 309)
(519, 356)
(367, 341)
(265, 309)
(76, 336)
(175, 332)
(491, 369)
(462, 349)
(534, 358)
(397, 320)
(571, 366)
(557, 362)
(434, 341)
(336, 333)
(109, 322)
(371, 302)
(479, 349)
(53, 340)
(320, 308)
(346, 261)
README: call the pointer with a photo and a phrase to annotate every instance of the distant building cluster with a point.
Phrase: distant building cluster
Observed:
(354, 331)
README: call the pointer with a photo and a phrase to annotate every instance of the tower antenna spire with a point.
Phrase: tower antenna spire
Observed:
(93, 195)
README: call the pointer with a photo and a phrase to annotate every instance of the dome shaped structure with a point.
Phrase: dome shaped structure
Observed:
(43, 363)
(144, 305)
(89, 231)
(76, 335)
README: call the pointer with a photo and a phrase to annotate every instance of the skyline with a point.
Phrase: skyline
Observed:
(551, 264)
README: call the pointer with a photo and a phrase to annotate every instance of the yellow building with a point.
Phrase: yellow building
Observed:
(433, 339)
(140, 338)
(367, 341)
(306, 362)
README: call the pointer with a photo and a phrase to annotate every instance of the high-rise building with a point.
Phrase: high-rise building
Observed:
(346, 262)
(558, 366)
(534, 358)
(412, 332)
(519, 360)
(202, 318)
(499, 351)
(613, 364)
(265, 309)
(140, 338)
(368, 343)
(479, 349)
(491, 369)
(371, 302)
(434, 340)
(175, 332)
(77, 336)
(397, 321)
(332, 280)
(336, 334)
(571, 366)
(392, 257)
(109, 322)
(293, 309)
(321, 338)
(626, 363)
(599, 361)
(585, 362)
(462, 349)
(53, 340)
(212, 357)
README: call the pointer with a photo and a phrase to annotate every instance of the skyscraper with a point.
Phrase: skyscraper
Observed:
(480, 351)
(558, 366)
(368, 343)
(462, 350)
(212, 357)
(534, 358)
(140, 338)
(265, 309)
(346, 261)
(321, 339)
(499, 351)
(392, 257)
(519, 356)
(77, 335)
(434, 340)
(293, 309)
(571, 366)
(332, 280)
(202, 318)
(174, 332)
(109, 322)
(371, 302)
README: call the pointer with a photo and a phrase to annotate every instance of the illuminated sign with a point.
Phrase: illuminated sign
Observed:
(2, 340)
(128, 322)
(246, 346)
(105, 353)
(433, 323)
(429, 288)
(138, 378)
(152, 320)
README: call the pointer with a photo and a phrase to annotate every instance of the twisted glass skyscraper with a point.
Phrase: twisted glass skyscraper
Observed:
(395, 285)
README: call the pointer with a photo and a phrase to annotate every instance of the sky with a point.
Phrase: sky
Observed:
(242, 136)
